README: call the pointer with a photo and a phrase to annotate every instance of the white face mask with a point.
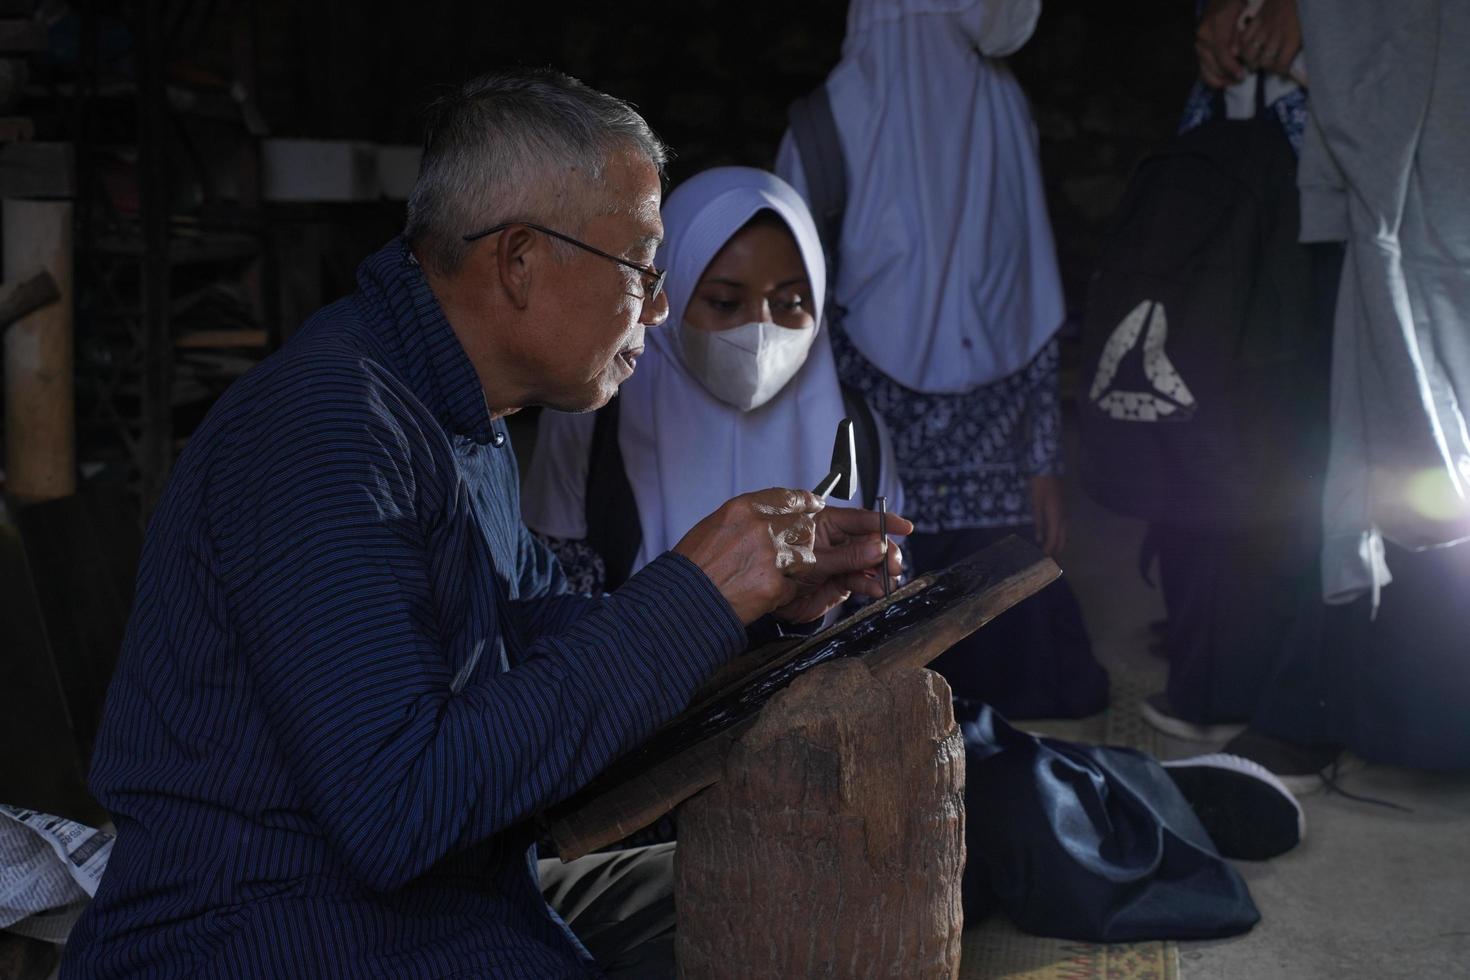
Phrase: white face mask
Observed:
(745, 366)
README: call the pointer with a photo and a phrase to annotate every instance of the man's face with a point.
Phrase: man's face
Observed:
(586, 331)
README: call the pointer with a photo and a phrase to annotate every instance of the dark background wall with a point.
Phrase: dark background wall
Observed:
(714, 78)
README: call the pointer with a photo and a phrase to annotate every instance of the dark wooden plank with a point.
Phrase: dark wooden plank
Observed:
(77, 549)
(1020, 570)
(39, 767)
(909, 628)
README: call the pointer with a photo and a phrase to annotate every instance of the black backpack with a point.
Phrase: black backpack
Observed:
(1199, 352)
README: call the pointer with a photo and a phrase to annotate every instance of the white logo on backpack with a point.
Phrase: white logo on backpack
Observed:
(1170, 400)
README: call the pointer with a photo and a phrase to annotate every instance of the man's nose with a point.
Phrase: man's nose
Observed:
(656, 312)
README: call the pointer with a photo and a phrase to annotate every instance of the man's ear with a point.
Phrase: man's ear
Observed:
(516, 258)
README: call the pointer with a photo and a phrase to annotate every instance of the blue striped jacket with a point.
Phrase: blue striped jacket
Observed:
(352, 678)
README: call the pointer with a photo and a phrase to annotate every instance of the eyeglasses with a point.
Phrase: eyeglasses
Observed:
(653, 279)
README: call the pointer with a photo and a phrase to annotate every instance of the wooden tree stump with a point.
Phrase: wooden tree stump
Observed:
(834, 843)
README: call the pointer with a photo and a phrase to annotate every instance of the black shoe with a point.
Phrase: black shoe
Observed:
(1247, 812)
(1159, 712)
(1298, 766)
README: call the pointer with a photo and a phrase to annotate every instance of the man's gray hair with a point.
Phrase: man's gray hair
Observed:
(503, 146)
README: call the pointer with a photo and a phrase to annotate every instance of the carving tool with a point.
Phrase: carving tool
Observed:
(842, 480)
(883, 531)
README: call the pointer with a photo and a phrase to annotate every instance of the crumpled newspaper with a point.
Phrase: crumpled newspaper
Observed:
(49, 869)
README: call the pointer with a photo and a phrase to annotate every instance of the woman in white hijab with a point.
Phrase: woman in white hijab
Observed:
(950, 301)
(738, 390)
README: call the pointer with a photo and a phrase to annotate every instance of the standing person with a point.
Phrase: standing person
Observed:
(1383, 172)
(1231, 591)
(1366, 648)
(352, 678)
(949, 301)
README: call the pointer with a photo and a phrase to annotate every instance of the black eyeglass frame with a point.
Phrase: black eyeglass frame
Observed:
(649, 293)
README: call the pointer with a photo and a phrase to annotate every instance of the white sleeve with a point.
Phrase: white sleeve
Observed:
(554, 494)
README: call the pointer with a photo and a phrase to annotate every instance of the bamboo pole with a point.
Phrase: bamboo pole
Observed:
(40, 414)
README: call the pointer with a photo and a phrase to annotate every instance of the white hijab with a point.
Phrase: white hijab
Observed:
(686, 452)
(948, 272)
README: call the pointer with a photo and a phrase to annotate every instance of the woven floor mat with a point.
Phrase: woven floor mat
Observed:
(998, 950)
(1125, 725)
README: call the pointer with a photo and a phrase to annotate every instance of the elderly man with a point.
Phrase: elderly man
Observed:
(352, 679)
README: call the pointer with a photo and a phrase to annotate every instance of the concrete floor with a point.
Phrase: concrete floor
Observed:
(1372, 892)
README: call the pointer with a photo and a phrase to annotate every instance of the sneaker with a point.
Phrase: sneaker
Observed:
(1248, 813)
(1306, 768)
(1299, 767)
(1159, 713)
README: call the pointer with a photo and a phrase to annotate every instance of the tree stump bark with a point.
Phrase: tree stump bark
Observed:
(834, 844)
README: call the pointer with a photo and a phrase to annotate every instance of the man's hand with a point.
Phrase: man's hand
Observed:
(1049, 514)
(780, 550)
(848, 550)
(1272, 38)
(1216, 43)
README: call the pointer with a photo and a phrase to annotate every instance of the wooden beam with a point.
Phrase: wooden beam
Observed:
(214, 339)
(41, 170)
(909, 628)
(25, 296)
(17, 129)
(19, 36)
(155, 442)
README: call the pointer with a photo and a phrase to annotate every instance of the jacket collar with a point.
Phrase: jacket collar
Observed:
(422, 346)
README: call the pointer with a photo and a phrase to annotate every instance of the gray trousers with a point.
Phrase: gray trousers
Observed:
(621, 905)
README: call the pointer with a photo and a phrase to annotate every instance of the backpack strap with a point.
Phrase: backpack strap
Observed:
(613, 530)
(814, 130)
(869, 448)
